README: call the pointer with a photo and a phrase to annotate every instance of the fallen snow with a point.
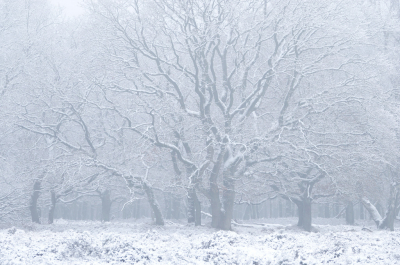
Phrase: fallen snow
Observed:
(72, 242)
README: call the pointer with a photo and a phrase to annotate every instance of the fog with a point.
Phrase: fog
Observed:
(208, 117)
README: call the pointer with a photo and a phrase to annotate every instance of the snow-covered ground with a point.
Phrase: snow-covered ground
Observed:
(257, 242)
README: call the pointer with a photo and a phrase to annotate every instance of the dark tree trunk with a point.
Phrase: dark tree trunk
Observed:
(194, 207)
(350, 213)
(215, 201)
(382, 223)
(388, 221)
(305, 217)
(228, 201)
(300, 212)
(197, 205)
(215, 204)
(105, 205)
(33, 203)
(153, 204)
(303, 202)
(175, 205)
(53, 200)
(191, 211)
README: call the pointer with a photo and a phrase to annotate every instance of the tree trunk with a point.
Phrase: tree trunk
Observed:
(52, 207)
(382, 223)
(197, 205)
(105, 206)
(191, 211)
(215, 204)
(33, 203)
(194, 207)
(153, 204)
(388, 221)
(300, 212)
(305, 216)
(350, 213)
(228, 201)
(216, 211)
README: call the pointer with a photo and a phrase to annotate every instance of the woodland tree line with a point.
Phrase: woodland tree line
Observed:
(206, 108)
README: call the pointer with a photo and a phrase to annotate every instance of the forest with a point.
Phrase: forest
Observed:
(212, 114)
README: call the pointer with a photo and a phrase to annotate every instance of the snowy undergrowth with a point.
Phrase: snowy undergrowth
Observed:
(141, 243)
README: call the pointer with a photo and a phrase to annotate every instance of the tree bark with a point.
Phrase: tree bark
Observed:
(197, 205)
(153, 204)
(191, 211)
(53, 200)
(194, 207)
(228, 202)
(33, 202)
(300, 212)
(388, 221)
(305, 217)
(350, 213)
(215, 204)
(175, 205)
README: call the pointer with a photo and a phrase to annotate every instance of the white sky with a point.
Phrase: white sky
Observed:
(71, 8)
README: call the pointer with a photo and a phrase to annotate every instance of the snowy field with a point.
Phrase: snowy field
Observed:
(257, 242)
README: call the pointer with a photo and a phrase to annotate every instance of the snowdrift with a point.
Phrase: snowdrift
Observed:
(141, 243)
